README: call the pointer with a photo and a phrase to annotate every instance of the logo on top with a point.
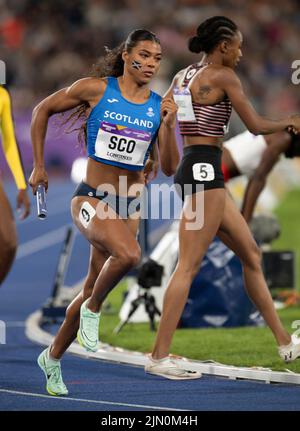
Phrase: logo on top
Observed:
(150, 112)
(112, 100)
(190, 73)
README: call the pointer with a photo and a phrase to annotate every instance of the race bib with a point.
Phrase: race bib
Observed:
(203, 172)
(121, 144)
(226, 128)
(86, 214)
(183, 99)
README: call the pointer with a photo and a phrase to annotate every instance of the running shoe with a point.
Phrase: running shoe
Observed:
(52, 370)
(290, 352)
(88, 332)
(170, 369)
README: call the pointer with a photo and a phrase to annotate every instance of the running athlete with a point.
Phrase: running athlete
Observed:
(205, 93)
(8, 231)
(125, 118)
(255, 157)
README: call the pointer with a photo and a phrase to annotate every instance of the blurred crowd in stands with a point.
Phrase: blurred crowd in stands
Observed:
(47, 44)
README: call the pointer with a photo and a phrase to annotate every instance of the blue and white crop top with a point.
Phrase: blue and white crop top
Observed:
(120, 132)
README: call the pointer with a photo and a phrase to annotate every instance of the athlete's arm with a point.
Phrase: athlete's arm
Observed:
(176, 81)
(82, 91)
(152, 164)
(86, 90)
(12, 154)
(167, 145)
(230, 83)
(257, 183)
(9, 143)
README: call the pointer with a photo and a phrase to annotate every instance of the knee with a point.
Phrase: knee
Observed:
(129, 257)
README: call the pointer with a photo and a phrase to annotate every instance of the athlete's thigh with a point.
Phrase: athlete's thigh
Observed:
(99, 254)
(133, 223)
(234, 231)
(193, 243)
(100, 225)
(8, 231)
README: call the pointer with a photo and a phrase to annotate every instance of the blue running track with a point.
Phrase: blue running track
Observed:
(95, 385)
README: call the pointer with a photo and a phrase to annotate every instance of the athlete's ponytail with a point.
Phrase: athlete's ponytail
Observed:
(111, 64)
(195, 44)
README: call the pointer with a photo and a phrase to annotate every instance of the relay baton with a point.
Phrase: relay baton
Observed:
(41, 202)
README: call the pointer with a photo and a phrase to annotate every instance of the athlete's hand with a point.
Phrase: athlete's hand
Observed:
(168, 111)
(23, 202)
(295, 124)
(150, 170)
(38, 176)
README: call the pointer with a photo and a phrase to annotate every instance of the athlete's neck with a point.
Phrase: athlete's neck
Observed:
(214, 57)
(133, 90)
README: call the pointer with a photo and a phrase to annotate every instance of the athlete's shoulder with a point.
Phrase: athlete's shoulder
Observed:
(178, 78)
(157, 97)
(88, 88)
(181, 72)
(222, 74)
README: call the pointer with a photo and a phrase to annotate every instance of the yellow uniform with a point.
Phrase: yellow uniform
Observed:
(10, 146)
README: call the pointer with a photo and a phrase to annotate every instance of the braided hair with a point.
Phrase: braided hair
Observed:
(211, 32)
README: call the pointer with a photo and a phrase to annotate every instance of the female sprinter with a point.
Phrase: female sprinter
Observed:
(8, 231)
(208, 91)
(124, 120)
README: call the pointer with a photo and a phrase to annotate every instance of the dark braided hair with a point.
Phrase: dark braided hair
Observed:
(111, 64)
(211, 32)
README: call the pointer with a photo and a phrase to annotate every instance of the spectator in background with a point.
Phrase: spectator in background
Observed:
(36, 36)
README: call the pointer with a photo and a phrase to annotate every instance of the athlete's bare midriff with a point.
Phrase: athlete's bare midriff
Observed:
(202, 140)
(100, 173)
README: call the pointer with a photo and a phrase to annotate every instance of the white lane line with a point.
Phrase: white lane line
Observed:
(42, 242)
(82, 400)
(15, 324)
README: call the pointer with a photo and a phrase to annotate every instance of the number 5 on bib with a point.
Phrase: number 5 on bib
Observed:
(203, 172)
